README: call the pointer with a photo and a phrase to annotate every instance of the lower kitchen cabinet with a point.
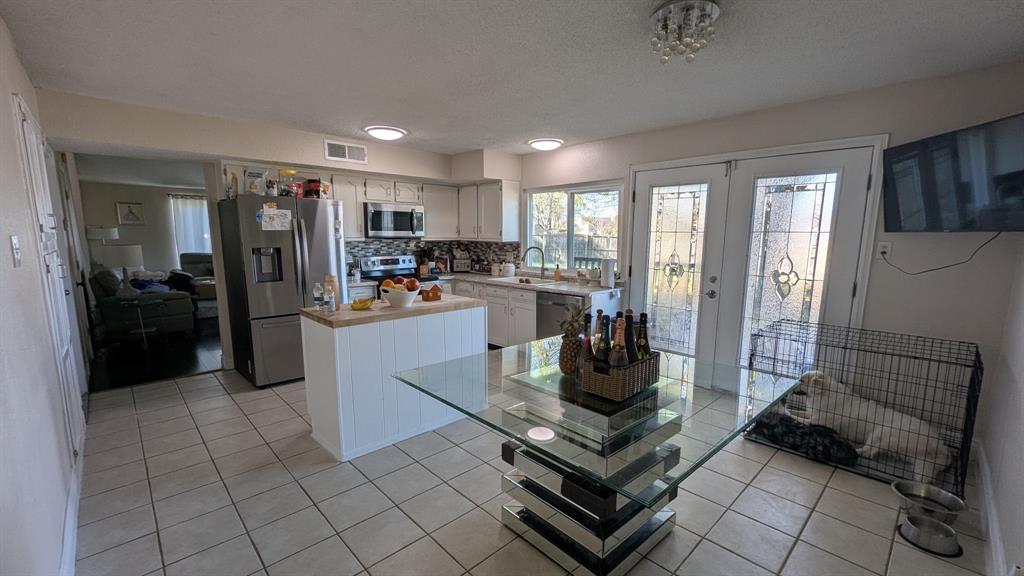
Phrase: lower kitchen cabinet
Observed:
(522, 316)
(497, 322)
(467, 289)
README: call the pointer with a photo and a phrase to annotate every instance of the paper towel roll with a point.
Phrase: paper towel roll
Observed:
(608, 273)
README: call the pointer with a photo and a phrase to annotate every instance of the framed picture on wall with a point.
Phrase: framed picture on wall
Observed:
(130, 213)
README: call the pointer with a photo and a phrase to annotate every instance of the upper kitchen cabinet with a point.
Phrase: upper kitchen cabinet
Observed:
(441, 206)
(490, 211)
(349, 190)
(380, 190)
(408, 192)
(467, 212)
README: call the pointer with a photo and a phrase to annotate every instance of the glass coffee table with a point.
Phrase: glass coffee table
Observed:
(593, 477)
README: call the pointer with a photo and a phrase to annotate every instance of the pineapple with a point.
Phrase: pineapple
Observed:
(571, 343)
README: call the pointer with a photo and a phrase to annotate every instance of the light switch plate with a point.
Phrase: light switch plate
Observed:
(16, 250)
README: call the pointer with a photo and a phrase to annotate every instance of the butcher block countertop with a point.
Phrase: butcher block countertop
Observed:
(383, 311)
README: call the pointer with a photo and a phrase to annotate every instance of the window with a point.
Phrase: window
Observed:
(191, 224)
(575, 228)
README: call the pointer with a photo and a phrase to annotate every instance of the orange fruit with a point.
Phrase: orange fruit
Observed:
(387, 284)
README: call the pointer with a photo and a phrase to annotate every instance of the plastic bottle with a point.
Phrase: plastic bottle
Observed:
(329, 298)
(331, 281)
(318, 296)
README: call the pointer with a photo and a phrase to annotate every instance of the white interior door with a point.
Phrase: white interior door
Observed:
(679, 222)
(54, 270)
(793, 242)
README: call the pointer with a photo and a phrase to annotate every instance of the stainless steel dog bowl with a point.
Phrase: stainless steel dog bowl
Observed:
(930, 535)
(920, 499)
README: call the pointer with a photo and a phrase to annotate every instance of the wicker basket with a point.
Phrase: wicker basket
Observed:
(621, 383)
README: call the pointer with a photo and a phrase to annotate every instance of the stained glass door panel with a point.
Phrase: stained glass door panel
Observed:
(793, 245)
(789, 246)
(674, 265)
(679, 222)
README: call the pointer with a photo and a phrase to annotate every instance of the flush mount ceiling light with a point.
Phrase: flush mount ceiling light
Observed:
(545, 144)
(385, 132)
(683, 28)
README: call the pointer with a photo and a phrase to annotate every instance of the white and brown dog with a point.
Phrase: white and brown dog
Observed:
(822, 400)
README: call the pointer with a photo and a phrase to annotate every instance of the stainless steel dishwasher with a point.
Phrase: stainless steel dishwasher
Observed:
(551, 309)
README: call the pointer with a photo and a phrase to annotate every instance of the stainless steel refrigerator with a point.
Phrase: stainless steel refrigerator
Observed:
(275, 250)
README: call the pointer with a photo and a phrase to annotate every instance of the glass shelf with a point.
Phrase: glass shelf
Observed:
(640, 448)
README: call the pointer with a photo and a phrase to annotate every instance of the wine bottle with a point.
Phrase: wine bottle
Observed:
(586, 352)
(597, 330)
(643, 343)
(617, 356)
(604, 346)
(632, 354)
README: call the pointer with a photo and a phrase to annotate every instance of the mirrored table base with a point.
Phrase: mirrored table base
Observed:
(578, 522)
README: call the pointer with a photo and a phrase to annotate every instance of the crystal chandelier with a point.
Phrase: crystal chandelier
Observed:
(683, 28)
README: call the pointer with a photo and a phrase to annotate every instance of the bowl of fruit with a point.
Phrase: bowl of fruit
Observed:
(400, 292)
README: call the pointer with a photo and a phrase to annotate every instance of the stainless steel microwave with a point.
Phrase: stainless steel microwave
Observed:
(393, 220)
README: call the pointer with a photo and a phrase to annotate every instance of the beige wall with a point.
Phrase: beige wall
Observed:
(1002, 430)
(34, 474)
(156, 236)
(127, 128)
(966, 303)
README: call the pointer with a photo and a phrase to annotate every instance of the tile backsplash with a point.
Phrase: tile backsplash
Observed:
(482, 254)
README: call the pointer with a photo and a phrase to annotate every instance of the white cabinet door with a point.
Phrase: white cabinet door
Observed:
(489, 210)
(468, 212)
(408, 192)
(463, 288)
(380, 190)
(497, 322)
(522, 324)
(441, 208)
(349, 189)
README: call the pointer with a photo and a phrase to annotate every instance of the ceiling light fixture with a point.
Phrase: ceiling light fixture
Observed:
(385, 132)
(545, 144)
(683, 28)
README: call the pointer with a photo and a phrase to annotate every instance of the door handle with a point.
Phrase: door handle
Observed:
(297, 253)
(712, 294)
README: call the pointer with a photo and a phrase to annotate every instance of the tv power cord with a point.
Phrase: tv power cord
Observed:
(885, 258)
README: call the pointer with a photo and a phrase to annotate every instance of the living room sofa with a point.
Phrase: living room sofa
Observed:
(162, 312)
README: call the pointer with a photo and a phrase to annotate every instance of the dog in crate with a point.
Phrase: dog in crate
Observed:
(822, 400)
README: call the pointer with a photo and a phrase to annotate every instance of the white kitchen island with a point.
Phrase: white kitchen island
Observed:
(349, 356)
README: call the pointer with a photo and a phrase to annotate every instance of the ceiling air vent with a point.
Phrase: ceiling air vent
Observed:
(344, 151)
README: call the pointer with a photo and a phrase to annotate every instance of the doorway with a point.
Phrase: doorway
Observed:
(154, 312)
(732, 246)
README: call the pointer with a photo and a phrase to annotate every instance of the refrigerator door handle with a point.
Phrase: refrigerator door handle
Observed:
(299, 275)
(305, 261)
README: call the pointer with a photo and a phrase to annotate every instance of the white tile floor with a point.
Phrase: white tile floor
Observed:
(208, 475)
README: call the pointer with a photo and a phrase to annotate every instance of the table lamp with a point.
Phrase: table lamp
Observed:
(102, 234)
(123, 256)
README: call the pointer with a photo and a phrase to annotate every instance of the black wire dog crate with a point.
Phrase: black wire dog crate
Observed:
(904, 406)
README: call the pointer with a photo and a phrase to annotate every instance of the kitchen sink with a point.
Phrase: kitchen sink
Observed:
(523, 280)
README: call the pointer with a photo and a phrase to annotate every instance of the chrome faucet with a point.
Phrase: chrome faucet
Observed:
(522, 261)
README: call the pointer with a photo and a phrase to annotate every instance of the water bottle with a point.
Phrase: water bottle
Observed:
(318, 296)
(329, 297)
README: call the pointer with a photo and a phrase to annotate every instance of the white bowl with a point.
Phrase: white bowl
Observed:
(399, 298)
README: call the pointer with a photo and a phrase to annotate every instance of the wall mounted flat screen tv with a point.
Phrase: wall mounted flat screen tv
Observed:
(971, 180)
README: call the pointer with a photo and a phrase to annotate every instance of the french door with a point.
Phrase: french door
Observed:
(728, 248)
